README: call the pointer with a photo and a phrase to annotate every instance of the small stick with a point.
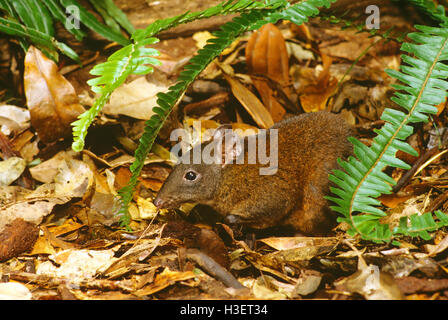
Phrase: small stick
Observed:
(214, 268)
(423, 160)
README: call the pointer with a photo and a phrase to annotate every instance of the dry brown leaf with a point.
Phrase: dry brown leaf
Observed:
(372, 283)
(438, 248)
(51, 99)
(43, 246)
(350, 44)
(135, 99)
(315, 96)
(251, 103)
(296, 255)
(11, 169)
(393, 200)
(14, 291)
(268, 264)
(414, 284)
(68, 226)
(146, 208)
(263, 290)
(32, 209)
(441, 107)
(369, 281)
(308, 283)
(285, 243)
(201, 38)
(56, 242)
(76, 265)
(244, 128)
(302, 31)
(266, 55)
(298, 52)
(73, 179)
(122, 177)
(25, 144)
(212, 245)
(47, 170)
(13, 119)
(291, 249)
(141, 249)
(163, 280)
(348, 116)
(264, 287)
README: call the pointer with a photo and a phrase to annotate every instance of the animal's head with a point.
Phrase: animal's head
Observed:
(197, 182)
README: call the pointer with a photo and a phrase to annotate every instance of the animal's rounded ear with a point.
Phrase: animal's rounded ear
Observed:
(233, 148)
(221, 131)
(228, 143)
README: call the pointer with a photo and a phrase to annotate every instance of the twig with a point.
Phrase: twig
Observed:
(423, 160)
(214, 268)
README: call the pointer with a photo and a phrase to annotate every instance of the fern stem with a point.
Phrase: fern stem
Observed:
(359, 57)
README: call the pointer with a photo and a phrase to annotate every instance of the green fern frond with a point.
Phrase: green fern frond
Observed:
(132, 59)
(420, 225)
(436, 12)
(92, 23)
(136, 59)
(423, 86)
(252, 20)
(360, 26)
(224, 8)
(32, 21)
(297, 13)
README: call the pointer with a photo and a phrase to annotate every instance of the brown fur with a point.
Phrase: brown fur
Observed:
(309, 145)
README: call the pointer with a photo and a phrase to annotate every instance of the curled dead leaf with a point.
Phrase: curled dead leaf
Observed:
(30, 206)
(13, 119)
(51, 99)
(372, 283)
(315, 96)
(135, 99)
(266, 55)
(11, 169)
(14, 291)
(163, 280)
(76, 265)
(299, 248)
(251, 103)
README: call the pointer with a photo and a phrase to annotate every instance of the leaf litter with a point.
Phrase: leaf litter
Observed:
(62, 240)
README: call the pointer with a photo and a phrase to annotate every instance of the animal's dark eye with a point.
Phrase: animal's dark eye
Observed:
(190, 175)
